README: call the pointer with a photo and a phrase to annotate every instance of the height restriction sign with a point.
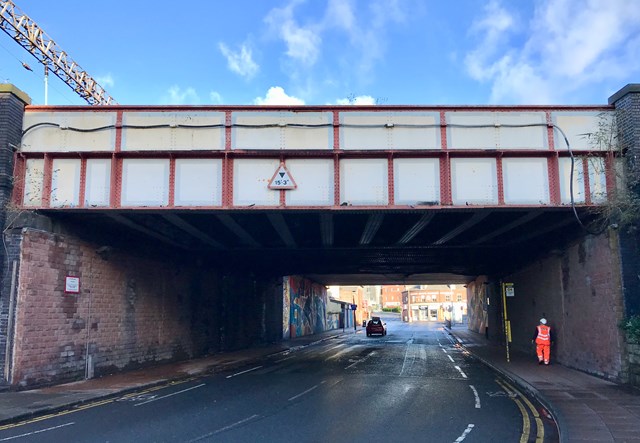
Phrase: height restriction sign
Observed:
(282, 179)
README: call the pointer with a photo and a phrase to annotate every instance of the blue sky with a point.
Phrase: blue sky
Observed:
(319, 52)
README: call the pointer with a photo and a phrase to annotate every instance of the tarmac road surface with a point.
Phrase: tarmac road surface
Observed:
(414, 384)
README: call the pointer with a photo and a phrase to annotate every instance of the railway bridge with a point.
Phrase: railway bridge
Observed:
(136, 234)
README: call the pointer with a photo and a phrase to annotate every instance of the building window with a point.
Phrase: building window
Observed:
(459, 297)
(447, 297)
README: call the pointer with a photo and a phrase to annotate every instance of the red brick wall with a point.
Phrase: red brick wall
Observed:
(130, 312)
(579, 292)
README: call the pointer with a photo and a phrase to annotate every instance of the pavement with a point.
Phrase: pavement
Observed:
(586, 408)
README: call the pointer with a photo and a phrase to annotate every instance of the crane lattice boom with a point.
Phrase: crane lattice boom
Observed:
(32, 38)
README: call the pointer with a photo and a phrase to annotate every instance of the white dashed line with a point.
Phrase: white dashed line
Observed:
(243, 372)
(465, 433)
(37, 432)
(460, 371)
(450, 358)
(475, 393)
(169, 395)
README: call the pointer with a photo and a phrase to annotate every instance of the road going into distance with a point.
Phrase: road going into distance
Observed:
(413, 385)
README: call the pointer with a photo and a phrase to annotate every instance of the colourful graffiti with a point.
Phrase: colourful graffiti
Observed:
(308, 306)
(286, 307)
(478, 318)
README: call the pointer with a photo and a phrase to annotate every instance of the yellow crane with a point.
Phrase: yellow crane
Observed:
(31, 37)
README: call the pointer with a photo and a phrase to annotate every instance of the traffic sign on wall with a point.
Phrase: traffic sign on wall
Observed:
(282, 179)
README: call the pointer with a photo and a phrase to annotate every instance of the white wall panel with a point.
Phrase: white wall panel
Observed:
(410, 130)
(526, 181)
(50, 138)
(364, 181)
(564, 167)
(474, 181)
(487, 130)
(33, 182)
(282, 130)
(416, 180)
(251, 179)
(145, 182)
(193, 137)
(198, 182)
(98, 182)
(315, 182)
(583, 129)
(522, 136)
(65, 182)
(597, 179)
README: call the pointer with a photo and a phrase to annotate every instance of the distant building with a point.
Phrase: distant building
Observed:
(391, 296)
(435, 303)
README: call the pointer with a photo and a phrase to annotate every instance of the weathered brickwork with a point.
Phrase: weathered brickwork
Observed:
(130, 311)
(580, 293)
(12, 103)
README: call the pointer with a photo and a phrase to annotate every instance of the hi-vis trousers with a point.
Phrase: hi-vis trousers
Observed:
(544, 353)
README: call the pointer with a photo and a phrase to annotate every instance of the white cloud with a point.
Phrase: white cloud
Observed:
(303, 42)
(276, 96)
(358, 100)
(178, 96)
(241, 62)
(105, 81)
(215, 98)
(567, 44)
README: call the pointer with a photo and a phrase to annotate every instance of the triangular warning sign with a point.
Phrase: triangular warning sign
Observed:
(282, 179)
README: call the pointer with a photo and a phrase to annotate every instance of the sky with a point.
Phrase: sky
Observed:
(327, 52)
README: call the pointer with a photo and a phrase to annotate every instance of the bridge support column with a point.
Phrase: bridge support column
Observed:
(627, 104)
(12, 104)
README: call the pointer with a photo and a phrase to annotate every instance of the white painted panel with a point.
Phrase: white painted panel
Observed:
(463, 131)
(251, 179)
(98, 182)
(564, 167)
(597, 179)
(198, 182)
(191, 131)
(65, 182)
(585, 130)
(33, 182)
(256, 130)
(315, 181)
(516, 131)
(416, 181)
(312, 130)
(474, 181)
(407, 130)
(526, 181)
(364, 181)
(44, 133)
(145, 182)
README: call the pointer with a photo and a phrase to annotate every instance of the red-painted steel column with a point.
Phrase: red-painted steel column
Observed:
(115, 188)
(391, 187)
(587, 184)
(227, 163)
(46, 185)
(610, 171)
(83, 182)
(172, 181)
(445, 164)
(500, 180)
(553, 168)
(20, 172)
(336, 158)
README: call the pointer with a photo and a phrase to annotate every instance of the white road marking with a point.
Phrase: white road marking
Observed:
(465, 433)
(460, 371)
(332, 348)
(341, 352)
(243, 372)
(37, 432)
(305, 392)
(169, 395)
(475, 393)
(283, 359)
(361, 360)
(450, 358)
(404, 363)
(444, 350)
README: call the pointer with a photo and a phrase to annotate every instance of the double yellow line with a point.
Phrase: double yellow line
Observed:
(518, 399)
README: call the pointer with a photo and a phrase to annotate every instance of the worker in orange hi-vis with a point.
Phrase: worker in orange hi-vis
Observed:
(543, 340)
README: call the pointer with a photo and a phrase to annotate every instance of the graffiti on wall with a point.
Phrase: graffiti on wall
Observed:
(478, 318)
(286, 308)
(308, 306)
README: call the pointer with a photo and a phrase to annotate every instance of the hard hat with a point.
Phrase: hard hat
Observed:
(543, 321)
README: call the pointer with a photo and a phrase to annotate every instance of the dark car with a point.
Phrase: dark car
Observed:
(376, 326)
